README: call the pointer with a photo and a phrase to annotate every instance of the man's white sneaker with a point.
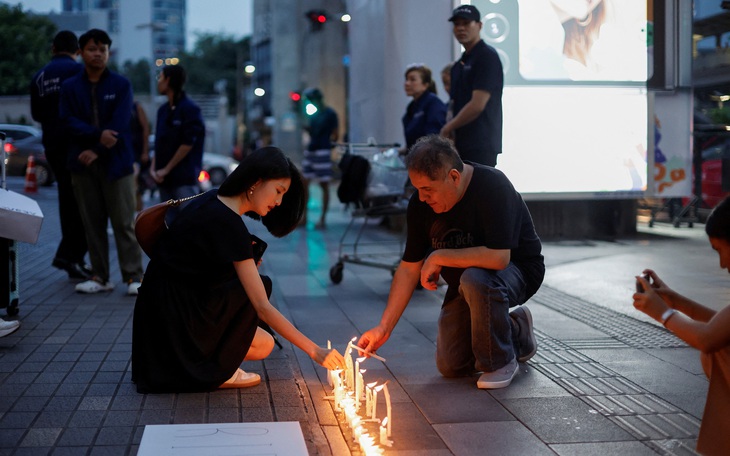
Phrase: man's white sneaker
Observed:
(133, 288)
(94, 286)
(8, 327)
(501, 378)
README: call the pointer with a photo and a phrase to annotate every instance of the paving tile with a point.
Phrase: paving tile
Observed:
(602, 448)
(32, 451)
(41, 437)
(50, 419)
(30, 404)
(189, 415)
(115, 435)
(121, 418)
(70, 451)
(458, 401)
(564, 420)
(119, 450)
(17, 420)
(87, 418)
(256, 414)
(94, 402)
(155, 416)
(502, 438)
(77, 437)
(10, 438)
(58, 403)
(224, 415)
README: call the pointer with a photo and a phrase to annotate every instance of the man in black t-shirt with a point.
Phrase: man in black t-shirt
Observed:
(467, 224)
(476, 91)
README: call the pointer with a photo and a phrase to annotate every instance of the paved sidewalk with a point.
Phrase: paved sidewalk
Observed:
(605, 380)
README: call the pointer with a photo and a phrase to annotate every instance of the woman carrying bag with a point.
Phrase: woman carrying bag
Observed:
(196, 317)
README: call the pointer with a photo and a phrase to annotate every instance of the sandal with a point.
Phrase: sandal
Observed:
(242, 379)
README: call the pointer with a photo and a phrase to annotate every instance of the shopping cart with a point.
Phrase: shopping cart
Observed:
(383, 196)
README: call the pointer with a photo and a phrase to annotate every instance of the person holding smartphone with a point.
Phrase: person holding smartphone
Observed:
(704, 329)
(197, 314)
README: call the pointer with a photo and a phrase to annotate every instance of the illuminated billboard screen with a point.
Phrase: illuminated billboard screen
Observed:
(575, 98)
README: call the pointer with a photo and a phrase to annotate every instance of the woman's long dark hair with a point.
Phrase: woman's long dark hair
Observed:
(718, 222)
(266, 164)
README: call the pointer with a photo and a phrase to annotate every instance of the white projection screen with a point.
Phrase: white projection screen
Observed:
(575, 97)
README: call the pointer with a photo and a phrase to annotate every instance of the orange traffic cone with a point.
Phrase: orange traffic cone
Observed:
(31, 185)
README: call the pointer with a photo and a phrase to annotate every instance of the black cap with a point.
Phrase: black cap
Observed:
(467, 12)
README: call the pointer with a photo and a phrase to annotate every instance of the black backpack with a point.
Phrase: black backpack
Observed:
(355, 170)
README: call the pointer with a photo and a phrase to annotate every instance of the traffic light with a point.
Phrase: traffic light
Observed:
(296, 98)
(317, 19)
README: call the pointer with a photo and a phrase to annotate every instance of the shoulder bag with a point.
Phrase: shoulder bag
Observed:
(150, 223)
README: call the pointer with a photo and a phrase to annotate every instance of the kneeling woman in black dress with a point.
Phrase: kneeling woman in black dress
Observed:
(197, 312)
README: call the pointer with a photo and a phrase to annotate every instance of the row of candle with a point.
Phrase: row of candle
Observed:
(349, 390)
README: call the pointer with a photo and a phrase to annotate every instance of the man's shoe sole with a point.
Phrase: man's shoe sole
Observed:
(499, 384)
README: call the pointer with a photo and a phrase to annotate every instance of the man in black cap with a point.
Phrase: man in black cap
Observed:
(476, 90)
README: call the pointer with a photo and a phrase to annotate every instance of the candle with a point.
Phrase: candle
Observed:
(384, 433)
(348, 370)
(358, 382)
(388, 418)
(375, 401)
(369, 397)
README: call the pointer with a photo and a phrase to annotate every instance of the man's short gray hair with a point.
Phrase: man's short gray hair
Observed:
(433, 156)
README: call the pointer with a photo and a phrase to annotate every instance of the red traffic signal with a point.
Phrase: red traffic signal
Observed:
(317, 18)
(295, 96)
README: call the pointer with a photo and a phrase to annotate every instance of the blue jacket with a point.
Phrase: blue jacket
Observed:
(176, 126)
(45, 91)
(114, 105)
(425, 115)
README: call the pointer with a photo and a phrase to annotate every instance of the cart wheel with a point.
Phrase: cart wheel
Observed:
(336, 273)
(13, 309)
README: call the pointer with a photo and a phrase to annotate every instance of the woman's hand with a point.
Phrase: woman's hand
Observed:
(657, 284)
(330, 359)
(649, 301)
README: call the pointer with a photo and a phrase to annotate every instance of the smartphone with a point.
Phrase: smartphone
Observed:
(259, 247)
(639, 287)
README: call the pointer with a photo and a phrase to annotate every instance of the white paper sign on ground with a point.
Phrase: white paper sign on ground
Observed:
(281, 438)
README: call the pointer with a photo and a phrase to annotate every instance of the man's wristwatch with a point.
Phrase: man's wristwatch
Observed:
(667, 315)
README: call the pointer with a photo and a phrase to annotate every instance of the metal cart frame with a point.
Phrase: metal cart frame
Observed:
(384, 196)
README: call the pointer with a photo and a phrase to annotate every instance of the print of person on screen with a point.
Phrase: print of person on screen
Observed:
(603, 40)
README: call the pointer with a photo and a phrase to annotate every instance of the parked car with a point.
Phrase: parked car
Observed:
(21, 142)
(216, 167)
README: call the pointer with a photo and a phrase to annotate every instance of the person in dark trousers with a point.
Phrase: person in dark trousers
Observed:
(95, 111)
(323, 131)
(477, 81)
(45, 89)
(140, 144)
(467, 224)
(179, 138)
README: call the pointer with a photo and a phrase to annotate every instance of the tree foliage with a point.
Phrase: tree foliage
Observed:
(215, 57)
(26, 46)
(138, 74)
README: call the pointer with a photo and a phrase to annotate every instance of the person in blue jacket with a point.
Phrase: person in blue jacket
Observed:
(426, 113)
(95, 111)
(45, 90)
(179, 138)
